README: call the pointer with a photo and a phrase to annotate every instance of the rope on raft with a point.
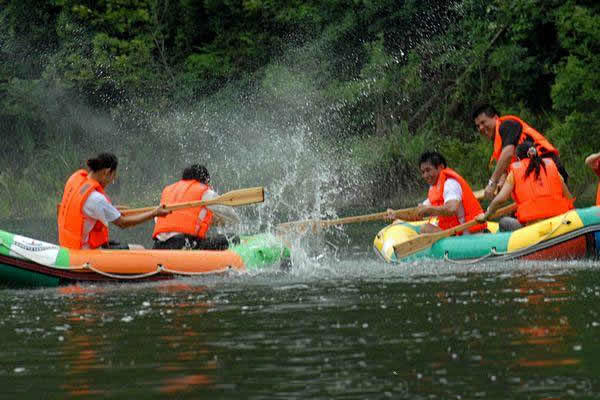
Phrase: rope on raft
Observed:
(510, 254)
(159, 268)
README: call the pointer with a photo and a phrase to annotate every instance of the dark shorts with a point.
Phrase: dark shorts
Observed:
(114, 245)
(189, 242)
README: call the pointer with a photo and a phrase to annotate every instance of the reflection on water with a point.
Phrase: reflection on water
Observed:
(353, 329)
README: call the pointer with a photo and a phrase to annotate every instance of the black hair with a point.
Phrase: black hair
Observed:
(103, 160)
(484, 108)
(197, 172)
(434, 158)
(528, 150)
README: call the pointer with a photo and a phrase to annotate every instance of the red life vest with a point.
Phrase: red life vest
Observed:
(538, 198)
(542, 145)
(184, 220)
(469, 201)
(71, 218)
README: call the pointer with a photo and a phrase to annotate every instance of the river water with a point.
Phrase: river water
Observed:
(338, 325)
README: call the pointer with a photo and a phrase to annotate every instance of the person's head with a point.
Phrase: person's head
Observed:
(431, 164)
(526, 150)
(485, 116)
(197, 172)
(104, 168)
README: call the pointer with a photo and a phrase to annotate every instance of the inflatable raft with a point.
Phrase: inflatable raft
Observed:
(573, 235)
(26, 262)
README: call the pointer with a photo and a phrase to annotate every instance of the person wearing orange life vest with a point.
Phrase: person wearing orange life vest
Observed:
(450, 197)
(85, 210)
(507, 132)
(536, 186)
(593, 161)
(191, 228)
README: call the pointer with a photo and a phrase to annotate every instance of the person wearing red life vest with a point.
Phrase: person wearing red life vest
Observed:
(450, 198)
(86, 210)
(593, 161)
(190, 228)
(507, 132)
(537, 187)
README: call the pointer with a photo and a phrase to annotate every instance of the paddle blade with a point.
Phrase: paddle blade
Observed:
(417, 244)
(240, 197)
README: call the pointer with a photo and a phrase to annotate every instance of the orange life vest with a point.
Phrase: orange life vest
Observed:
(538, 198)
(184, 220)
(542, 145)
(469, 201)
(71, 218)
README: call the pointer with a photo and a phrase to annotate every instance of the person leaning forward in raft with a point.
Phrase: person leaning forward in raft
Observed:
(85, 210)
(537, 187)
(450, 198)
(507, 132)
(593, 161)
(189, 228)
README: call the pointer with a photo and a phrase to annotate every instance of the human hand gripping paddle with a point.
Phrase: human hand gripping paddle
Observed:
(426, 240)
(233, 198)
(407, 214)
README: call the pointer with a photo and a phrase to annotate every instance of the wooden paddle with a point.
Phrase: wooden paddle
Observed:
(238, 197)
(426, 240)
(408, 214)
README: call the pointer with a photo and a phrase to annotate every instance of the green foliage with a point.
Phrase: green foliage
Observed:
(382, 77)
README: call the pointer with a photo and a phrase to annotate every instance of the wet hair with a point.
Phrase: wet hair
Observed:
(197, 172)
(101, 161)
(484, 108)
(528, 150)
(434, 158)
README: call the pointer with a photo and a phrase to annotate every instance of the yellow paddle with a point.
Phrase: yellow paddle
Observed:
(426, 240)
(234, 198)
(408, 214)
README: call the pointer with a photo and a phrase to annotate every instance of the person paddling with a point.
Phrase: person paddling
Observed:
(450, 197)
(189, 228)
(86, 210)
(507, 132)
(538, 189)
(593, 161)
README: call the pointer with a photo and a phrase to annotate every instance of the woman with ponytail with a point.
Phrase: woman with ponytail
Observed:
(536, 186)
(86, 210)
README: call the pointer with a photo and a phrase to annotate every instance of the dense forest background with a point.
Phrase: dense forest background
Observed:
(368, 85)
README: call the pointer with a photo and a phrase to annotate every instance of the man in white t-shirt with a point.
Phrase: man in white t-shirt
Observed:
(450, 197)
(452, 193)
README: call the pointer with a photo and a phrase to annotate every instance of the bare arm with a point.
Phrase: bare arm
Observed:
(501, 197)
(565, 189)
(136, 219)
(448, 209)
(501, 166)
(592, 159)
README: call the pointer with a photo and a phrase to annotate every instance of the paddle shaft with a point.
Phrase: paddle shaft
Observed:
(424, 241)
(405, 213)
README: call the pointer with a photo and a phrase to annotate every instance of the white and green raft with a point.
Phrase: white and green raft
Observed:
(26, 262)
